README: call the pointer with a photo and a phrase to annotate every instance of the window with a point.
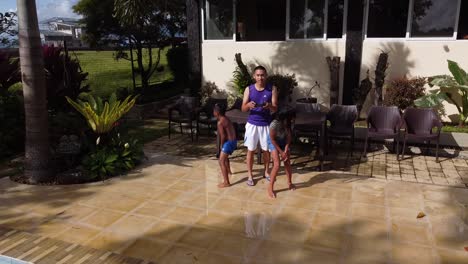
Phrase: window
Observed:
(433, 18)
(261, 20)
(335, 18)
(218, 17)
(463, 21)
(306, 19)
(387, 19)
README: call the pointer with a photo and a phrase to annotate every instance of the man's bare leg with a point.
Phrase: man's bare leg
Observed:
(224, 170)
(250, 160)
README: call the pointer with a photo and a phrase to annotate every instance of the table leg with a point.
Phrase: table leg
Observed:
(322, 145)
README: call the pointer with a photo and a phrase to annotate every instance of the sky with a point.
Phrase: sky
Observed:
(45, 8)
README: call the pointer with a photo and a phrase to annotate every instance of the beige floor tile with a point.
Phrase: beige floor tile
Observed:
(132, 225)
(287, 233)
(51, 228)
(109, 241)
(235, 245)
(102, 218)
(181, 255)
(185, 215)
(307, 255)
(295, 216)
(302, 202)
(230, 205)
(363, 227)
(146, 249)
(77, 212)
(166, 231)
(275, 252)
(375, 198)
(453, 256)
(124, 204)
(332, 206)
(337, 194)
(405, 232)
(200, 237)
(184, 186)
(368, 249)
(408, 253)
(211, 258)
(406, 214)
(368, 211)
(78, 234)
(170, 196)
(330, 223)
(215, 220)
(154, 209)
(323, 238)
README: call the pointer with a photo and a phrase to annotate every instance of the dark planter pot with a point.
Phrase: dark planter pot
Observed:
(307, 105)
(310, 100)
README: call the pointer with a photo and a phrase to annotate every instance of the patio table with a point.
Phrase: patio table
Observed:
(310, 123)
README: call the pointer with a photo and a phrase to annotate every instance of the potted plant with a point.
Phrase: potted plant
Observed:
(308, 103)
(285, 85)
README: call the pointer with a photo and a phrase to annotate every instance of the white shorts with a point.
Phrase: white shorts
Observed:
(255, 134)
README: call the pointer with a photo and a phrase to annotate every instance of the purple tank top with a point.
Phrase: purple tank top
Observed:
(259, 116)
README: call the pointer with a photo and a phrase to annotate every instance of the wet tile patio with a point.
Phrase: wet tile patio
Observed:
(170, 211)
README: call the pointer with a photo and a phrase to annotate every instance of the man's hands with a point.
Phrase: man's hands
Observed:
(251, 105)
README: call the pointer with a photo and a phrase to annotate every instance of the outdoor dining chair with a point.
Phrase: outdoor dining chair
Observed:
(419, 123)
(205, 114)
(342, 119)
(383, 122)
(183, 112)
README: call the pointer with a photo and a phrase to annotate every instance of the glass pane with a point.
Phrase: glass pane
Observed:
(335, 18)
(218, 19)
(306, 16)
(387, 19)
(463, 21)
(434, 18)
(261, 20)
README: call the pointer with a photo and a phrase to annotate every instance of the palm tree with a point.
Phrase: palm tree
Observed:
(34, 90)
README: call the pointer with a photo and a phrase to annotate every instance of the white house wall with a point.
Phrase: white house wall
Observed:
(306, 59)
(415, 58)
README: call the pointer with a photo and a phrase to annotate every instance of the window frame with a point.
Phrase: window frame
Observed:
(409, 23)
(203, 20)
(287, 26)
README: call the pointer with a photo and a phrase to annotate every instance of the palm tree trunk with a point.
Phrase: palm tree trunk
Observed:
(34, 90)
(193, 40)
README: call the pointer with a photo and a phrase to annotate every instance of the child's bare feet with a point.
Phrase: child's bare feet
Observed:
(223, 185)
(292, 187)
(271, 193)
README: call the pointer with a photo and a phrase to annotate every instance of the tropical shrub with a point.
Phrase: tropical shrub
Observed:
(9, 71)
(241, 76)
(452, 89)
(64, 78)
(402, 92)
(110, 153)
(102, 116)
(12, 124)
(284, 83)
(117, 156)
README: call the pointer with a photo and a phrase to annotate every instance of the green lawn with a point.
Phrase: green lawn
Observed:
(106, 75)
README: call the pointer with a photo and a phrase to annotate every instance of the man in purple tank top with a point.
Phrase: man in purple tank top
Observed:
(260, 99)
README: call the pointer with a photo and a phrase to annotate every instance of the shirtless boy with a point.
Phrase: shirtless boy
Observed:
(228, 142)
